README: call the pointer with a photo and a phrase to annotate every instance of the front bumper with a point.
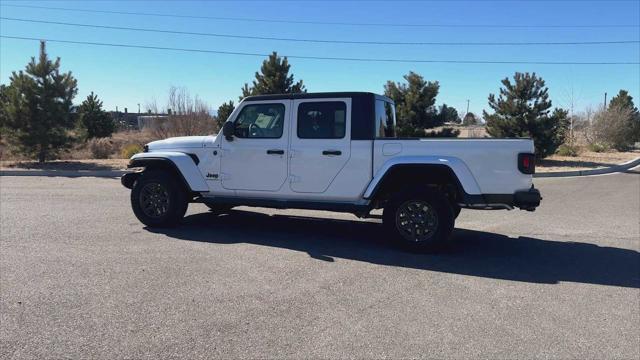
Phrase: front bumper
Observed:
(527, 200)
(129, 179)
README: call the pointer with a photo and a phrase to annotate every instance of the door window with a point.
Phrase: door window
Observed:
(322, 120)
(262, 121)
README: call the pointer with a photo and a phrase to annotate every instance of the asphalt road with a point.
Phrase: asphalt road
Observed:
(82, 278)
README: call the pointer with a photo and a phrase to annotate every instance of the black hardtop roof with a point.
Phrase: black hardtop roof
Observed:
(318, 95)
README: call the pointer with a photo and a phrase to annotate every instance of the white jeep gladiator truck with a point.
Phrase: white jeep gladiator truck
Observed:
(332, 151)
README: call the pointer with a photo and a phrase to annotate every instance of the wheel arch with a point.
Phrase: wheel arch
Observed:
(180, 164)
(399, 173)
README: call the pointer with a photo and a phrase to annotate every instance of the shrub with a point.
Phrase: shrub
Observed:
(599, 148)
(100, 148)
(568, 150)
(616, 127)
(130, 150)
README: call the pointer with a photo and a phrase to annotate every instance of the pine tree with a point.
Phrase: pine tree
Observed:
(93, 119)
(623, 100)
(627, 119)
(523, 109)
(4, 98)
(274, 78)
(448, 114)
(415, 101)
(470, 119)
(38, 108)
(224, 111)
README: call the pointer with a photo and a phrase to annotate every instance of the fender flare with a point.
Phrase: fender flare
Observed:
(182, 163)
(458, 167)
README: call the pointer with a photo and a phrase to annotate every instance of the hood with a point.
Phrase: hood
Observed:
(180, 142)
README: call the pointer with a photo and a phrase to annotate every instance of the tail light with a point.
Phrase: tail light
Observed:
(527, 163)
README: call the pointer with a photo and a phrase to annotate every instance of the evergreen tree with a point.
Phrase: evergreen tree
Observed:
(448, 114)
(470, 119)
(415, 101)
(93, 119)
(623, 100)
(274, 78)
(4, 98)
(38, 108)
(523, 109)
(622, 105)
(224, 111)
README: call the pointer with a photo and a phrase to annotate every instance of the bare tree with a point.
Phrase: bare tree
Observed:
(186, 115)
(613, 128)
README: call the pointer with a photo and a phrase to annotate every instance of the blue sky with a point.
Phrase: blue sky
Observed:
(125, 77)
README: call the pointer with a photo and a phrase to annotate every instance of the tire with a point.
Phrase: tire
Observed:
(429, 211)
(456, 210)
(219, 208)
(158, 199)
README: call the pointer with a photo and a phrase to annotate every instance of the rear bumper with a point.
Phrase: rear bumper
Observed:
(524, 199)
(527, 200)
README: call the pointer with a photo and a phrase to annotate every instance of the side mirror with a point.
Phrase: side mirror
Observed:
(228, 129)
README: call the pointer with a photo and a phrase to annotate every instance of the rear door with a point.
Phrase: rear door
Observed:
(320, 142)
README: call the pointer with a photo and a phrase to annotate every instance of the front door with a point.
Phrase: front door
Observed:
(320, 142)
(256, 157)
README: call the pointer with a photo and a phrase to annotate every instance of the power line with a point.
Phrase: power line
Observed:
(311, 22)
(352, 42)
(149, 47)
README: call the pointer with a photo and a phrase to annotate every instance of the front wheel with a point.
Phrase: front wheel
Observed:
(158, 199)
(420, 220)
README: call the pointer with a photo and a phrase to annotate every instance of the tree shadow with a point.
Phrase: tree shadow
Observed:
(475, 253)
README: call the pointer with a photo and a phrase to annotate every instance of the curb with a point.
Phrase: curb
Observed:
(118, 173)
(65, 173)
(608, 170)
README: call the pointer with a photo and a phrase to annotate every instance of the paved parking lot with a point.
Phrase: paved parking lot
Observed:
(81, 277)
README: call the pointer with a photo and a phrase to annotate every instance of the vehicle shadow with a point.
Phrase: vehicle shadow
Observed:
(475, 253)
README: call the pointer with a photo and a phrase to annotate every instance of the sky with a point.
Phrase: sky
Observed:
(126, 77)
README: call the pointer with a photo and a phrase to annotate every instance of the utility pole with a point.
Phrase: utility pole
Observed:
(467, 106)
(571, 118)
(138, 108)
(605, 99)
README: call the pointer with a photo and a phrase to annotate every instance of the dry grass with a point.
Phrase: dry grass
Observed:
(83, 150)
(80, 156)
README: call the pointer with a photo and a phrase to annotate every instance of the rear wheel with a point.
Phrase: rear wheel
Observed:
(158, 199)
(420, 220)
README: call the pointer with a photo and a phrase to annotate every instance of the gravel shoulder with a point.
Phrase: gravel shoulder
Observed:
(67, 165)
(586, 161)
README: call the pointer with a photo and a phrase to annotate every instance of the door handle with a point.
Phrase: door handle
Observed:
(275, 152)
(331, 152)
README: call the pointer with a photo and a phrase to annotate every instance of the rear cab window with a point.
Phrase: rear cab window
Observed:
(385, 119)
